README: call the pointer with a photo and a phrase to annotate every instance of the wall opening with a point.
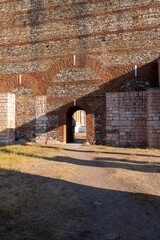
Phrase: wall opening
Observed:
(76, 125)
(80, 126)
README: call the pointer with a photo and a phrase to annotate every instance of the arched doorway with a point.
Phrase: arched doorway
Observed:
(65, 121)
(71, 123)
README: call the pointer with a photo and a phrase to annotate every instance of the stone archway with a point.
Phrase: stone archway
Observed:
(64, 122)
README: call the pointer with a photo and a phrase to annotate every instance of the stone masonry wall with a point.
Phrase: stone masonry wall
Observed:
(125, 119)
(36, 34)
(25, 117)
(153, 117)
(41, 119)
(133, 118)
(7, 117)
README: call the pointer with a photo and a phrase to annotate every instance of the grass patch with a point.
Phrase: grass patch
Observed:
(86, 144)
(59, 149)
(13, 155)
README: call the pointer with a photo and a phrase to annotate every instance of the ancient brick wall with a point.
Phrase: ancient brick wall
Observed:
(126, 119)
(41, 119)
(25, 108)
(36, 34)
(75, 50)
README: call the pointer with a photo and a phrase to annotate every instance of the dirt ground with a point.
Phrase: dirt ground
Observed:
(75, 192)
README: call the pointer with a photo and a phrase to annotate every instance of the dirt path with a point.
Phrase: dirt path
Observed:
(75, 192)
(118, 193)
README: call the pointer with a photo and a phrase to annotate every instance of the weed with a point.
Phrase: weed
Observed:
(86, 144)
(98, 152)
(59, 149)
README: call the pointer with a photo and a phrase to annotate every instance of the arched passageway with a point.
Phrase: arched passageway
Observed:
(71, 123)
(65, 122)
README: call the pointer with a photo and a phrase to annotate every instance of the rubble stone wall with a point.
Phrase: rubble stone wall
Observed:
(25, 117)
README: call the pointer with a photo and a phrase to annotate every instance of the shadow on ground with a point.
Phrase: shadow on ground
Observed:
(40, 208)
(105, 162)
(114, 153)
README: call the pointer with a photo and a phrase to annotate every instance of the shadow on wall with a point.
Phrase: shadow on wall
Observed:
(43, 208)
(94, 105)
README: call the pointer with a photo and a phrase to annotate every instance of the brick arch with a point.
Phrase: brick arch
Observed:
(36, 82)
(39, 82)
(32, 80)
(81, 61)
(8, 82)
(62, 120)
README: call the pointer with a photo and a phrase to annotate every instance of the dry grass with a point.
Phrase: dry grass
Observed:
(28, 200)
(12, 156)
(11, 159)
(86, 144)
